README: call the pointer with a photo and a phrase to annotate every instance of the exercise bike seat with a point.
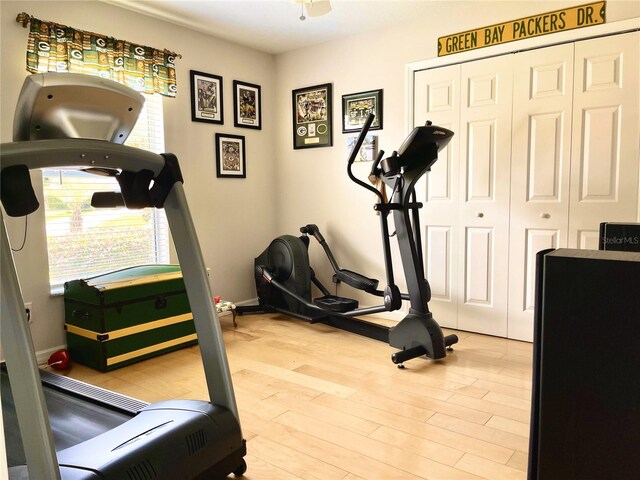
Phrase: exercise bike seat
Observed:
(355, 280)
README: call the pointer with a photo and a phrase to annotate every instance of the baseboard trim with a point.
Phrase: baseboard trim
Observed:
(251, 301)
(42, 356)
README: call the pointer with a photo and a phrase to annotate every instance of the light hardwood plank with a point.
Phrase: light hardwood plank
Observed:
(261, 469)
(508, 400)
(327, 451)
(490, 407)
(292, 461)
(519, 461)
(518, 392)
(508, 425)
(523, 373)
(420, 429)
(419, 446)
(488, 469)
(494, 377)
(320, 403)
(321, 386)
(377, 401)
(396, 457)
(324, 414)
(481, 432)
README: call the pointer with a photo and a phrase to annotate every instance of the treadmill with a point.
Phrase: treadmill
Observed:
(70, 430)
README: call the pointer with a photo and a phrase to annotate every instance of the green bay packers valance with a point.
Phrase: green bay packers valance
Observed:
(53, 47)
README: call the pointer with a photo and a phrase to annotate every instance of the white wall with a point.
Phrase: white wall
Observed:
(314, 187)
(284, 189)
(233, 217)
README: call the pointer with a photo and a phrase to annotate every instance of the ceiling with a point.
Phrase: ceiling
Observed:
(274, 26)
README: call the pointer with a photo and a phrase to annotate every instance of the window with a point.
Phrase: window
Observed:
(82, 241)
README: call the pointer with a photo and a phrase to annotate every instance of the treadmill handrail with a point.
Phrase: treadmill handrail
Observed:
(79, 152)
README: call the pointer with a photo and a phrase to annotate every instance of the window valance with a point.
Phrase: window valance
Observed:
(59, 48)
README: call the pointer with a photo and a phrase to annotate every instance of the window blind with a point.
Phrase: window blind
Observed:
(82, 241)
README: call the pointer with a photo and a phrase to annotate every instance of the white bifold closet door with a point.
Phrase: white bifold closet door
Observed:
(545, 149)
(466, 213)
(483, 219)
(604, 155)
(437, 98)
(574, 156)
(540, 171)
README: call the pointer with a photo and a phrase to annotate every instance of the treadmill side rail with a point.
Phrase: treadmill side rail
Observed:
(205, 316)
(19, 353)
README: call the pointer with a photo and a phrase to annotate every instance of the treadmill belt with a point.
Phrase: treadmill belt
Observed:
(72, 419)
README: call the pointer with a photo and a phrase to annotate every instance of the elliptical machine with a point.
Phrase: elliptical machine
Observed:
(283, 275)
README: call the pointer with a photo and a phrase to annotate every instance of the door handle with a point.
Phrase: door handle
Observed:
(545, 215)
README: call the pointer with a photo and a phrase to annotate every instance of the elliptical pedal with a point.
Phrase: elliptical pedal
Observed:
(334, 303)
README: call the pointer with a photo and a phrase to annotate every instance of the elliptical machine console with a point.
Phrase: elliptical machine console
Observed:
(283, 275)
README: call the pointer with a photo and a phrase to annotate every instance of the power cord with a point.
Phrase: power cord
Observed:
(24, 240)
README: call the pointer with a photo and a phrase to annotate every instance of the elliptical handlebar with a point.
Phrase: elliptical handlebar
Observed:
(354, 153)
(313, 230)
(361, 137)
(374, 168)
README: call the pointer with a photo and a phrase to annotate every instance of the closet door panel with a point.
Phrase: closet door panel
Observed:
(604, 185)
(437, 98)
(479, 264)
(485, 145)
(540, 171)
(438, 261)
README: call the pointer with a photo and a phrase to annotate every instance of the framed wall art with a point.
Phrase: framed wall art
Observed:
(312, 114)
(368, 150)
(230, 156)
(206, 98)
(356, 108)
(247, 105)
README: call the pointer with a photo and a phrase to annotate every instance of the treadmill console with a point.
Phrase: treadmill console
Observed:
(72, 105)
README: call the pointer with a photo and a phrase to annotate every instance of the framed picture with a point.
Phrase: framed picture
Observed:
(312, 113)
(206, 98)
(230, 156)
(356, 108)
(368, 150)
(247, 105)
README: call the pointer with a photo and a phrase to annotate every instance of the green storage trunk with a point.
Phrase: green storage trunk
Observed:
(125, 316)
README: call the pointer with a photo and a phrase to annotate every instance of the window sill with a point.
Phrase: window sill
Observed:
(57, 291)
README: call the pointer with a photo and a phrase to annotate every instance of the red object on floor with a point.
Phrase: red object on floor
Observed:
(60, 360)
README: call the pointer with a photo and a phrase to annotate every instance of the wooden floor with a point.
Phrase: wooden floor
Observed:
(320, 403)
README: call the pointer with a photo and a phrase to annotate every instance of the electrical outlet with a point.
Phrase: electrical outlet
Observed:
(28, 307)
